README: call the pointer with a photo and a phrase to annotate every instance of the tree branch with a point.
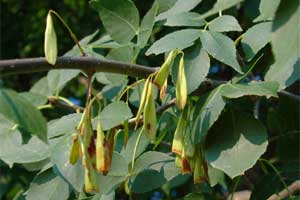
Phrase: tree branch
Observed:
(30, 65)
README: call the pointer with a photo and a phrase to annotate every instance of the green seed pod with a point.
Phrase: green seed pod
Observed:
(185, 169)
(177, 144)
(142, 102)
(199, 172)
(50, 43)
(150, 115)
(163, 90)
(164, 70)
(178, 161)
(75, 150)
(100, 150)
(90, 181)
(181, 87)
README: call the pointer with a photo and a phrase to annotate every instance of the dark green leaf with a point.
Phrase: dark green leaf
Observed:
(119, 17)
(221, 48)
(251, 43)
(285, 45)
(48, 186)
(19, 110)
(185, 19)
(267, 10)
(209, 113)
(147, 180)
(253, 88)
(179, 7)
(176, 40)
(224, 23)
(242, 137)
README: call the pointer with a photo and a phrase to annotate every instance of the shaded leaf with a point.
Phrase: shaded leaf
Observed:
(119, 17)
(215, 43)
(209, 113)
(242, 137)
(285, 45)
(224, 23)
(48, 186)
(41, 87)
(23, 113)
(35, 98)
(251, 43)
(178, 39)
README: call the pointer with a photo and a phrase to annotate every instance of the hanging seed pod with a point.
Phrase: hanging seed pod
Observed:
(150, 115)
(109, 148)
(50, 43)
(75, 150)
(199, 172)
(164, 70)
(163, 90)
(100, 149)
(90, 184)
(177, 144)
(142, 102)
(181, 87)
(126, 132)
(189, 147)
(178, 161)
(186, 169)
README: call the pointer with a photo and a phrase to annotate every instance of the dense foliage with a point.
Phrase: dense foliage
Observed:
(221, 113)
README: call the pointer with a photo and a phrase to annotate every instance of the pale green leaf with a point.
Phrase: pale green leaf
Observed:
(41, 87)
(285, 45)
(48, 186)
(64, 125)
(22, 112)
(221, 5)
(225, 23)
(267, 10)
(50, 43)
(176, 40)
(179, 7)
(209, 113)
(251, 43)
(215, 176)
(185, 19)
(12, 149)
(253, 88)
(238, 146)
(119, 17)
(58, 78)
(60, 149)
(113, 114)
(216, 43)
(147, 25)
(35, 98)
